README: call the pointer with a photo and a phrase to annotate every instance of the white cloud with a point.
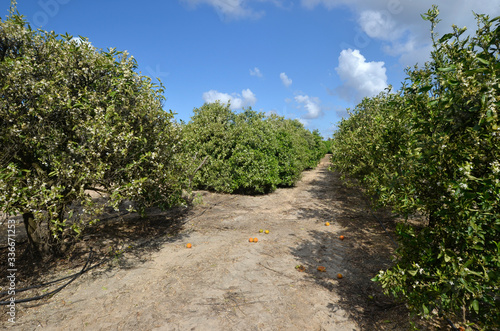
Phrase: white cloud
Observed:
(256, 72)
(303, 121)
(379, 24)
(285, 80)
(399, 24)
(360, 78)
(77, 40)
(81, 41)
(311, 105)
(232, 9)
(410, 52)
(245, 99)
(249, 98)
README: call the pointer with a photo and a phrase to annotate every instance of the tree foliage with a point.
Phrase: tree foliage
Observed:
(247, 152)
(74, 119)
(434, 148)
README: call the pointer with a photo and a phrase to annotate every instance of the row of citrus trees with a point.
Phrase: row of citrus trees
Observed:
(74, 119)
(248, 152)
(433, 148)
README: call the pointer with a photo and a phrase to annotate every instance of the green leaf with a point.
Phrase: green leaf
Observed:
(483, 61)
(425, 309)
(445, 37)
(432, 103)
(475, 306)
(495, 19)
(424, 89)
(448, 69)
(412, 272)
(474, 71)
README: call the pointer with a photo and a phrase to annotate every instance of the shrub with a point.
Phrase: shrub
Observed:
(248, 152)
(73, 119)
(434, 147)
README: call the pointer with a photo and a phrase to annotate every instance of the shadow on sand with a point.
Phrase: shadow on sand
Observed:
(366, 249)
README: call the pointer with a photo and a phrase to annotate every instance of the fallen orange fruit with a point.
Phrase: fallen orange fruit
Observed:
(189, 245)
(341, 237)
(339, 276)
(322, 269)
(250, 240)
(255, 240)
(300, 268)
(327, 224)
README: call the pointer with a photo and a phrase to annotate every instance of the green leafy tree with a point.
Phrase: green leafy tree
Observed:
(74, 119)
(247, 152)
(295, 151)
(434, 148)
(253, 161)
(209, 136)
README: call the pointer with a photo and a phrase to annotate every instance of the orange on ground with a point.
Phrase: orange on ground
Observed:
(255, 240)
(188, 245)
(250, 240)
(322, 269)
(341, 237)
(327, 224)
(339, 276)
(300, 268)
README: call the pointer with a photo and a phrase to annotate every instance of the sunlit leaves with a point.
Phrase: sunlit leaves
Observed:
(74, 119)
(433, 148)
(247, 152)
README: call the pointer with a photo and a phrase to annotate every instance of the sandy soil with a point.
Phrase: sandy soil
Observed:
(224, 282)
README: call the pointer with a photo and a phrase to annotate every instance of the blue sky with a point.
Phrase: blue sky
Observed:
(303, 59)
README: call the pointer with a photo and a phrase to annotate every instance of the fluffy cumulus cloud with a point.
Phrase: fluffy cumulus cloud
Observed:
(360, 78)
(399, 25)
(379, 24)
(311, 105)
(245, 99)
(285, 80)
(256, 72)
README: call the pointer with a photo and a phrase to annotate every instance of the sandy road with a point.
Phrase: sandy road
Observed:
(224, 282)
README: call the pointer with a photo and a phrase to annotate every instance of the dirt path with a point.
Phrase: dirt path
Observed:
(224, 282)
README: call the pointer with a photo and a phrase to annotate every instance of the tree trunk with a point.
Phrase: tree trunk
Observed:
(433, 220)
(34, 237)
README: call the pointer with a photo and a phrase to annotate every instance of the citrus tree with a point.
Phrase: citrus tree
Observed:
(247, 152)
(433, 147)
(75, 119)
